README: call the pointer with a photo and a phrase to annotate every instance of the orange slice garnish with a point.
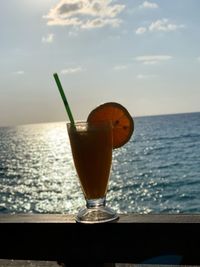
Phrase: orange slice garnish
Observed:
(123, 124)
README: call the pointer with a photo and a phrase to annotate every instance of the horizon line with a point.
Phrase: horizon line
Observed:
(65, 121)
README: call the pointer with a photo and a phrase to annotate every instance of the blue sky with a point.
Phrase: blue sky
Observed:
(142, 54)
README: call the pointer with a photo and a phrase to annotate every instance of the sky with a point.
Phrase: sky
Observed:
(142, 54)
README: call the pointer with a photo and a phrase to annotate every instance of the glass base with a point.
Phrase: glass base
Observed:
(96, 212)
(96, 215)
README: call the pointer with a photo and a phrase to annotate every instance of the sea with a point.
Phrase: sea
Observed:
(157, 171)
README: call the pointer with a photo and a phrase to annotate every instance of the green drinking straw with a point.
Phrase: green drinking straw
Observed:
(64, 99)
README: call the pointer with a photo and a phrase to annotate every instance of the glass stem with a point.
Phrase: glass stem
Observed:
(95, 203)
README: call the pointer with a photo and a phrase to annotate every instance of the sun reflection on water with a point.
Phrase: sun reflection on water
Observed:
(40, 169)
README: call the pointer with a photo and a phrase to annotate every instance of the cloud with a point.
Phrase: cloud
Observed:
(72, 70)
(19, 72)
(160, 25)
(120, 67)
(198, 58)
(164, 25)
(141, 30)
(145, 76)
(85, 14)
(73, 33)
(48, 39)
(100, 22)
(153, 59)
(147, 4)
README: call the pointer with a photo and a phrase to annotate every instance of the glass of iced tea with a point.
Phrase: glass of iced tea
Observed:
(92, 145)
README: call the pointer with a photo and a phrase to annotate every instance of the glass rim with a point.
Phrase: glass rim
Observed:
(85, 126)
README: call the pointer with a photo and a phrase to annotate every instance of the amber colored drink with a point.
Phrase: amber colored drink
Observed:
(92, 153)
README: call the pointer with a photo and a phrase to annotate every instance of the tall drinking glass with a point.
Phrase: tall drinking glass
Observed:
(91, 146)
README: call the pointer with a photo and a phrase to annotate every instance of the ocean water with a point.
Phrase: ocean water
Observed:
(158, 171)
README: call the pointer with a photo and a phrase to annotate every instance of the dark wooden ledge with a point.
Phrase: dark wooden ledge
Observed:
(123, 218)
(132, 239)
